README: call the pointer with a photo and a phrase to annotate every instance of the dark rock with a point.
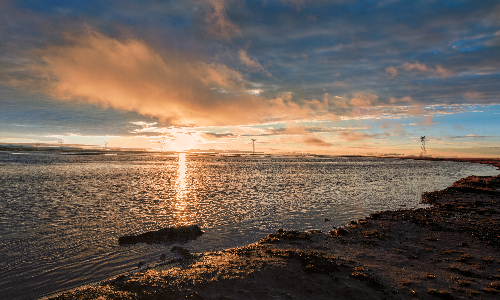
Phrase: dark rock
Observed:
(338, 232)
(281, 234)
(165, 235)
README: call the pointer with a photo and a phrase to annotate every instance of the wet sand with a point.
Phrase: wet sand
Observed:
(450, 250)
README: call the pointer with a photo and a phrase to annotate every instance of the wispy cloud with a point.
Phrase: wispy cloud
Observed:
(351, 136)
(472, 136)
(252, 64)
(314, 141)
(419, 67)
(218, 23)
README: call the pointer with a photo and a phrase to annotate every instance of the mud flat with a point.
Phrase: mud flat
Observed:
(450, 250)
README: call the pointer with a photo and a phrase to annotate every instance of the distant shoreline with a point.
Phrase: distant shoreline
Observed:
(489, 161)
(93, 151)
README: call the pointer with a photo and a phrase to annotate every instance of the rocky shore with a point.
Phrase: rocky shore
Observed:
(447, 251)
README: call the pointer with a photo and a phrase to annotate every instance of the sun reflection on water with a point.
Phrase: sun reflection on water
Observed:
(184, 208)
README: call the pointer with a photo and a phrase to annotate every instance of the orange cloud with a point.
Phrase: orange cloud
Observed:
(254, 65)
(218, 23)
(416, 110)
(306, 138)
(131, 76)
(314, 141)
(176, 88)
(351, 136)
(442, 72)
(363, 99)
(416, 66)
(391, 70)
(439, 70)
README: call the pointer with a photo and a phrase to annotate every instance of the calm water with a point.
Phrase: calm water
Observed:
(61, 215)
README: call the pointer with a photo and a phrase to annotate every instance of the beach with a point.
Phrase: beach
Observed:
(449, 250)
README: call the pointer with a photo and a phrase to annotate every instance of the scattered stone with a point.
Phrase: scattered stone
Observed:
(291, 235)
(443, 294)
(180, 252)
(338, 232)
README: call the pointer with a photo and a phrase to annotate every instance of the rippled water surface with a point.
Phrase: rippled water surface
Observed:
(61, 214)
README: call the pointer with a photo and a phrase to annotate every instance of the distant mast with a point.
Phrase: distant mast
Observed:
(253, 146)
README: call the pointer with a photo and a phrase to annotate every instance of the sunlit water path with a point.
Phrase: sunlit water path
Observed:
(61, 215)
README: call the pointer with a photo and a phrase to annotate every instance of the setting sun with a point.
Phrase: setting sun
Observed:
(179, 139)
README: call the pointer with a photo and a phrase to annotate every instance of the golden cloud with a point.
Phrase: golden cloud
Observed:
(177, 89)
(351, 136)
(314, 141)
(129, 75)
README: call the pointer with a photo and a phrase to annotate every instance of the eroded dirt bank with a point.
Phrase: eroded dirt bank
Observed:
(448, 251)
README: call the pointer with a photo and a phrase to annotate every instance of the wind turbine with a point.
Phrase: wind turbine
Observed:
(162, 143)
(424, 152)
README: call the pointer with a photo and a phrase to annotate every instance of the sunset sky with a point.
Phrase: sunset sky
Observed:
(320, 76)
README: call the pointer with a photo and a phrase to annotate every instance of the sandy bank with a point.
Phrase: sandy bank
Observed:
(449, 251)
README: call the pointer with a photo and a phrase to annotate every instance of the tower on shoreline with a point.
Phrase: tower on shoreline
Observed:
(424, 152)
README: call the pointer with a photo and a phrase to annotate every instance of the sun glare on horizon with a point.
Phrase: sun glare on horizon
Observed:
(180, 139)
